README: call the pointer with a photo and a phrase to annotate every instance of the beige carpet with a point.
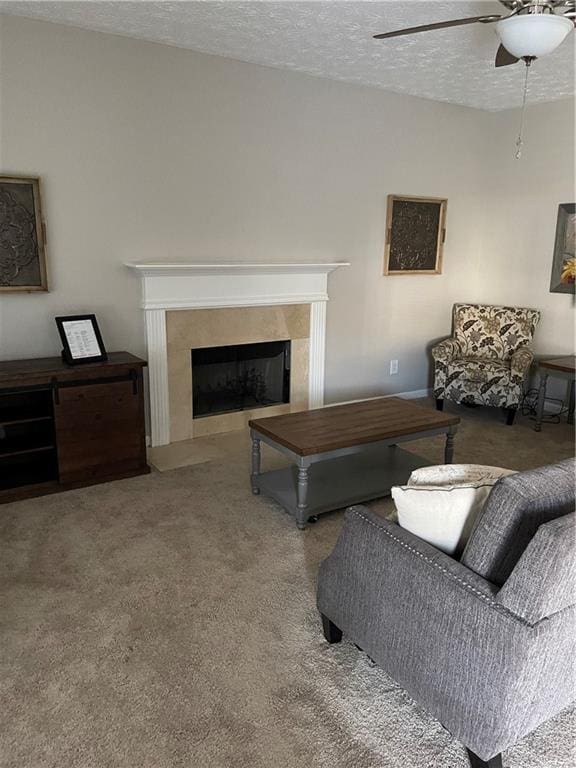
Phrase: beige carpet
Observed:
(169, 621)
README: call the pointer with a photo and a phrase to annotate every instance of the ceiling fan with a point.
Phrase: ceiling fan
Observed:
(531, 29)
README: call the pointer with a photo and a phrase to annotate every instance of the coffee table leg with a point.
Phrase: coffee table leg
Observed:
(301, 496)
(255, 464)
(541, 398)
(449, 447)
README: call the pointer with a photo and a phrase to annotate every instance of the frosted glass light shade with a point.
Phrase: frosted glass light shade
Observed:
(534, 34)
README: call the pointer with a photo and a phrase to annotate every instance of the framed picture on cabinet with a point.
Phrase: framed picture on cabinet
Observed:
(81, 339)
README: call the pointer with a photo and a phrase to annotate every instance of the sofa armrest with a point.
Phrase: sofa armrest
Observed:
(446, 350)
(521, 361)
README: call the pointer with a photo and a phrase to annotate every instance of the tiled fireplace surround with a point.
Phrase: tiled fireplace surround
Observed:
(189, 306)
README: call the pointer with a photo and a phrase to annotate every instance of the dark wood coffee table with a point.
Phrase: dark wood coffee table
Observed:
(344, 454)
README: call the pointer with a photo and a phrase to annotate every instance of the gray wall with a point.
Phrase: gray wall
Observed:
(154, 153)
(523, 197)
(518, 241)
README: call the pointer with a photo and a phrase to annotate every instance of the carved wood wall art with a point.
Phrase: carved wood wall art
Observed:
(22, 235)
(415, 233)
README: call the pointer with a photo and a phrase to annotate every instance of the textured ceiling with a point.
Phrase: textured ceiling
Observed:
(334, 40)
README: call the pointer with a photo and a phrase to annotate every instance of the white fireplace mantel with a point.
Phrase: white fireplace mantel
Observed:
(177, 286)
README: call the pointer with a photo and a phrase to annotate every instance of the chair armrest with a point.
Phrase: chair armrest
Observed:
(543, 581)
(521, 361)
(377, 548)
(446, 350)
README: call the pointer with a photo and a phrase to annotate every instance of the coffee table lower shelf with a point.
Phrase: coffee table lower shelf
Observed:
(342, 481)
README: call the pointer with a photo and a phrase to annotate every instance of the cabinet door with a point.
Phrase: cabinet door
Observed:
(99, 430)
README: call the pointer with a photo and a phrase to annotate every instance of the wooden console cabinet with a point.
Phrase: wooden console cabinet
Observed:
(66, 426)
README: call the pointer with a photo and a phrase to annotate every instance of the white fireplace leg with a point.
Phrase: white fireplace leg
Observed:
(317, 354)
(158, 376)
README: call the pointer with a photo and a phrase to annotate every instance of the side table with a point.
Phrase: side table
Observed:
(560, 367)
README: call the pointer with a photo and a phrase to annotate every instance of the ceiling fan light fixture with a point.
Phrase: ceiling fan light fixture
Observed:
(534, 35)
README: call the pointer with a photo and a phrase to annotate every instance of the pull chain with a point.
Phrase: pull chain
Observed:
(519, 140)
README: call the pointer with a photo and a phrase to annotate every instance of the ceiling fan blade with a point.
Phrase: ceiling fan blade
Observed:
(438, 25)
(504, 58)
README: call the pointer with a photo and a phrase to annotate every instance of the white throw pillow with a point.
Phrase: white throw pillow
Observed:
(440, 504)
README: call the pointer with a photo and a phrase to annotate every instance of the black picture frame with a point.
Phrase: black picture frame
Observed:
(69, 353)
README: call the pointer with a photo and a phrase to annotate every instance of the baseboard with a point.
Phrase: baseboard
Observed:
(550, 407)
(413, 394)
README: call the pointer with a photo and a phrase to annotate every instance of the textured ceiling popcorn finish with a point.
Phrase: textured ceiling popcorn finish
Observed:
(334, 40)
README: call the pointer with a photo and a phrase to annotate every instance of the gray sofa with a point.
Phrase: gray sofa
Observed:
(486, 644)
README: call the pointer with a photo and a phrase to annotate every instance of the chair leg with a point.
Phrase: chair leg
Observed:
(510, 416)
(439, 404)
(476, 762)
(331, 631)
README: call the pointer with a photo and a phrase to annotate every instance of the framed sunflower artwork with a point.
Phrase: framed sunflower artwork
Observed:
(563, 279)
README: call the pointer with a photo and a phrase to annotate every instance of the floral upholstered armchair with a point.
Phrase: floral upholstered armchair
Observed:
(487, 359)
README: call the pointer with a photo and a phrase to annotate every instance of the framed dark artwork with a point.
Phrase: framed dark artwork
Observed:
(563, 278)
(81, 339)
(22, 235)
(415, 234)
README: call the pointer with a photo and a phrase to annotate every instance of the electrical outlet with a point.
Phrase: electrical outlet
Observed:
(393, 367)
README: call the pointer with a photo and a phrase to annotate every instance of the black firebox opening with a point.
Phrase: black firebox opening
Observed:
(240, 377)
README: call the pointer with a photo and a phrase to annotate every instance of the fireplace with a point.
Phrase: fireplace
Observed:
(191, 306)
(240, 377)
